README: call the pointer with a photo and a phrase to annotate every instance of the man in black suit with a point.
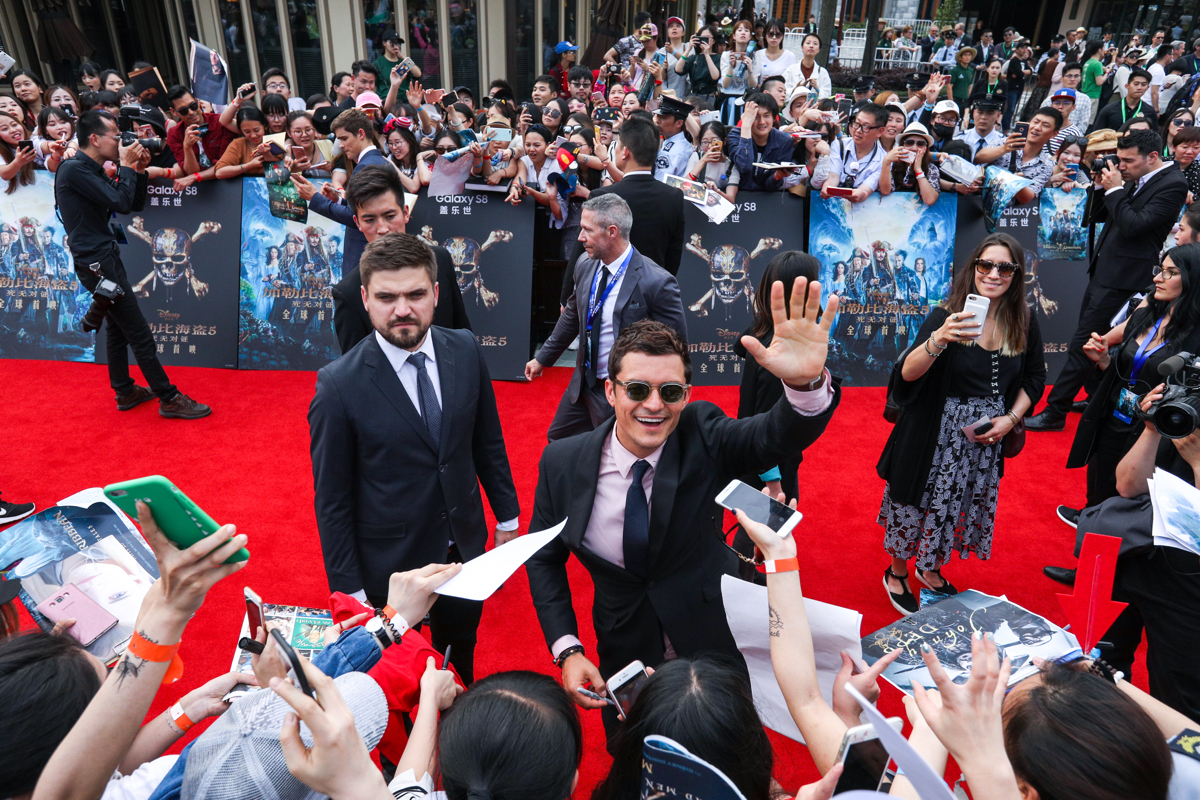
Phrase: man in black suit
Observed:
(657, 208)
(615, 286)
(376, 198)
(356, 135)
(1139, 200)
(638, 494)
(404, 430)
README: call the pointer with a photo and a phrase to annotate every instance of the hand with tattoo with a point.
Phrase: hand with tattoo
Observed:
(766, 540)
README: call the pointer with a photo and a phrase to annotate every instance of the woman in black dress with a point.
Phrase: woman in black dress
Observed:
(941, 484)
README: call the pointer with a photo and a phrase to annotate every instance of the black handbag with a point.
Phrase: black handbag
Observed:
(1014, 442)
(891, 411)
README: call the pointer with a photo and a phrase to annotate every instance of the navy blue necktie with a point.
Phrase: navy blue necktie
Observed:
(431, 412)
(637, 522)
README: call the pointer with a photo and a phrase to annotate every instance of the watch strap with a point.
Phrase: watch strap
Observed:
(398, 624)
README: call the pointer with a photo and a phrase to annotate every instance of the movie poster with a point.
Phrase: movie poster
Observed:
(1000, 188)
(491, 244)
(181, 259)
(41, 301)
(283, 197)
(720, 272)
(1061, 234)
(890, 260)
(288, 270)
(210, 75)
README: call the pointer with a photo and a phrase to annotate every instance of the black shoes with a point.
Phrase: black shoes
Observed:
(947, 588)
(1060, 574)
(904, 602)
(183, 407)
(11, 512)
(139, 395)
(1068, 515)
(1079, 406)
(1048, 420)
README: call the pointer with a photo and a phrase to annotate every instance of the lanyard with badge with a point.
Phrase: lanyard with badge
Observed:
(597, 303)
(1137, 112)
(1127, 403)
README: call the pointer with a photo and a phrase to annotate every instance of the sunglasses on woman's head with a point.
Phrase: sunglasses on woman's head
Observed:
(985, 267)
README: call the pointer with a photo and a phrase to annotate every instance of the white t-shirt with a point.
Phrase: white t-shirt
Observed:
(1171, 85)
(141, 783)
(1157, 75)
(764, 67)
(1185, 782)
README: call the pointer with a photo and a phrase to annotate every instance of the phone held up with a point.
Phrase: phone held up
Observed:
(977, 305)
(254, 612)
(180, 519)
(249, 90)
(759, 507)
(864, 758)
(294, 659)
(626, 685)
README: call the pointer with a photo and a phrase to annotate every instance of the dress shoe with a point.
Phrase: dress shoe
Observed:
(183, 407)
(1060, 574)
(139, 395)
(1046, 421)
(1068, 515)
(1079, 406)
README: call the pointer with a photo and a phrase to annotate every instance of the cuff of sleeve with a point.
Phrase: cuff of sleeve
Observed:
(811, 403)
(1110, 191)
(360, 596)
(508, 525)
(562, 643)
(773, 474)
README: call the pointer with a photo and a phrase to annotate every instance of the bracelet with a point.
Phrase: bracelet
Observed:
(149, 651)
(391, 620)
(920, 175)
(179, 718)
(198, 177)
(935, 344)
(775, 565)
(1016, 420)
(565, 654)
(929, 352)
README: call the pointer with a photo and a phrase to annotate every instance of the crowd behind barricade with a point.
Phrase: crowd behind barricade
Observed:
(594, 145)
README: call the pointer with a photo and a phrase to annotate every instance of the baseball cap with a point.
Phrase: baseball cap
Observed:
(563, 47)
(392, 36)
(240, 755)
(676, 20)
(1065, 92)
(946, 107)
(367, 99)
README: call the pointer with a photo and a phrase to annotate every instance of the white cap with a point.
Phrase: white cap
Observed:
(945, 106)
(800, 92)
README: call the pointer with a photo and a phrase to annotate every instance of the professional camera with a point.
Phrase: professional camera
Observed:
(1178, 413)
(614, 69)
(105, 295)
(1104, 161)
(127, 122)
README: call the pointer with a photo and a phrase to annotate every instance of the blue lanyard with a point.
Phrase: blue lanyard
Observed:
(1142, 355)
(597, 303)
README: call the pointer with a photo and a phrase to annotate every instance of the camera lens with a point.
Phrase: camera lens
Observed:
(1178, 418)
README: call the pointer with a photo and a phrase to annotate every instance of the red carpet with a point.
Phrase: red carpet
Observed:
(248, 464)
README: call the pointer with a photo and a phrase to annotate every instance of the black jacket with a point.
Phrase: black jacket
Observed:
(758, 393)
(908, 454)
(1127, 249)
(86, 198)
(681, 594)
(1110, 116)
(352, 323)
(354, 242)
(657, 231)
(386, 499)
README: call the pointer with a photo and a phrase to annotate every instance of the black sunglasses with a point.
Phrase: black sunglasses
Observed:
(639, 391)
(192, 106)
(552, 113)
(985, 267)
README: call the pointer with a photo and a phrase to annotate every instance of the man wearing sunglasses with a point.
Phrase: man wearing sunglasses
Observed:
(615, 286)
(197, 152)
(638, 495)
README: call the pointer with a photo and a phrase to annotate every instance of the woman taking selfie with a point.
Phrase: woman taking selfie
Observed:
(1068, 173)
(16, 163)
(909, 167)
(942, 483)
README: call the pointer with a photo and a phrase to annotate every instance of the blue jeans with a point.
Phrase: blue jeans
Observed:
(354, 651)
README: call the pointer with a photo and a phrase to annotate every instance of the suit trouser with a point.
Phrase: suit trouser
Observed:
(1096, 311)
(127, 328)
(1163, 590)
(453, 622)
(583, 415)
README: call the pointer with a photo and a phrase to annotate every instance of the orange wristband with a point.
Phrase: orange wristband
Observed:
(180, 718)
(158, 654)
(780, 565)
(389, 612)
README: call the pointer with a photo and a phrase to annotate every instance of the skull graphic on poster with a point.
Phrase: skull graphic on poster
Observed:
(729, 271)
(170, 252)
(466, 254)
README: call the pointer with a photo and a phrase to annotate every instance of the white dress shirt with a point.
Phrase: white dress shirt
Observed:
(406, 371)
(844, 160)
(607, 336)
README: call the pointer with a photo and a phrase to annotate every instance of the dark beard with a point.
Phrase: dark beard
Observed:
(403, 339)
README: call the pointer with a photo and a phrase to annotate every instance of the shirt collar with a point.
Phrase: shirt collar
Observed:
(397, 356)
(616, 262)
(624, 460)
(1149, 175)
(366, 150)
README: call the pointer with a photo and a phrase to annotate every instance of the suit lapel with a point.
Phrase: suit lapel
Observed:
(627, 285)
(388, 383)
(446, 377)
(662, 499)
(587, 470)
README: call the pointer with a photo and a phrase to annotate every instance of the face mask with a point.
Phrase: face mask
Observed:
(943, 131)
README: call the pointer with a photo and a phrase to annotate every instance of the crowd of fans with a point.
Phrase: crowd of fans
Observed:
(708, 106)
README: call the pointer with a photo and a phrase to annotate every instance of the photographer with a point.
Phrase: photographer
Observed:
(86, 199)
(1139, 198)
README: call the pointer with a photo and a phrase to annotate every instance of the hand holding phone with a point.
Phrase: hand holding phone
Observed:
(293, 658)
(864, 758)
(1021, 129)
(91, 619)
(759, 507)
(254, 612)
(624, 687)
(247, 90)
(182, 521)
(977, 305)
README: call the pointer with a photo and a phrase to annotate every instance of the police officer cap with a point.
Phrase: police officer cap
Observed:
(675, 107)
(864, 83)
(323, 117)
(986, 102)
(916, 80)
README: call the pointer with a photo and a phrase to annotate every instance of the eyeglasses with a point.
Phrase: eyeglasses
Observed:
(580, 84)
(985, 267)
(639, 391)
(277, 85)
(858, 126)
(1180, 122)
(1170, 272)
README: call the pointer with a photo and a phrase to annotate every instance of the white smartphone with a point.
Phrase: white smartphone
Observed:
(977, 305)
(864, 758)
(626, 685)
(6, 62)
(759, 507)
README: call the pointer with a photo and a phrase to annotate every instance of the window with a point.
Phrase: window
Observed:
(422, 41)
(306, 46)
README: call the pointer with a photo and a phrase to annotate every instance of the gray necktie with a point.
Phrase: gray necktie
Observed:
(431, 412)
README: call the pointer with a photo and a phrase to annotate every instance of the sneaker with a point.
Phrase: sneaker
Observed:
(139, 395)
(11, 512)
(904, 602)
(183, 407)
(1068, 515)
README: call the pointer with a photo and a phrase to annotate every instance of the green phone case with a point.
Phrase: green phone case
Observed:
(181, 520)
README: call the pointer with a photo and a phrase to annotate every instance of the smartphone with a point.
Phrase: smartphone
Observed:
(254, 611)
(202, 130)
(249, 90)
(864, 758)
(708, 116)
(984, 428)
(759, 507)
(977, 305)
(404, 67)
(844, 107)
(500, 135)
(1071, 172)
(598, 98)
(294, 659)
(1021, 129)
(274, 153)
(21, 145)
(626, 685)
(91, 619)
(6, 62)
(840, 191)
(181, 520)
(297, 152)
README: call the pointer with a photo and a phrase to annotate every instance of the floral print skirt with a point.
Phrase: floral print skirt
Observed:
(958, 506)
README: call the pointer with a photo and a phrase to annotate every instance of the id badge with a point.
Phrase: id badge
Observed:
(1127, 407)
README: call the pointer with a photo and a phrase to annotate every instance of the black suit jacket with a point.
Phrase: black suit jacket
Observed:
(657, 231)
(355, 242)
(681, 593)
(352, 323)
(1127, 248)
(387, 500)
(647, 292)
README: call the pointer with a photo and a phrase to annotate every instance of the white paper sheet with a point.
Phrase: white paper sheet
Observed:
(1176, 506)
(449, 177)
(482, 576)
(929, 785)
(834, 629)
